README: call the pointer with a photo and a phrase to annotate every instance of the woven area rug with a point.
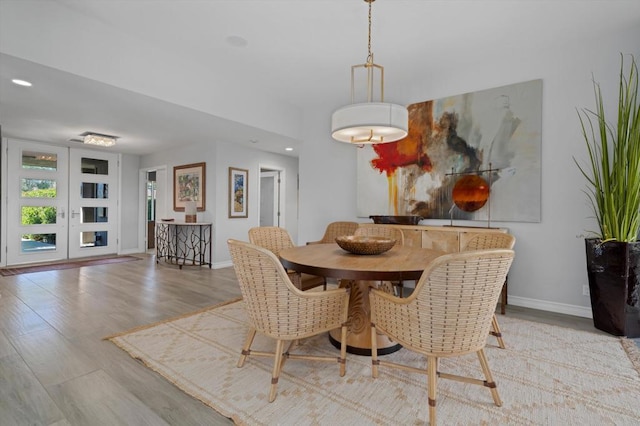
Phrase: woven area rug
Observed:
(5, 272)
(547, 376)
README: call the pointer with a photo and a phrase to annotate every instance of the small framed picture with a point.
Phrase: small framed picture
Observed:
(189, 184)
(238, 192)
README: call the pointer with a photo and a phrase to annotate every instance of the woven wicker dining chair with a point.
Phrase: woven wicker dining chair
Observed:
(275, 239)
(448, 314)
(376, 230)
(494, 240)
(336, 229)
(277, 309)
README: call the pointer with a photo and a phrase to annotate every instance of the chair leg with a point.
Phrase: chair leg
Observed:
(432, 377)
(374, 351)
(495, 331)
(277, 366)
(246, 348)
(489, 378)
(343, 351)
(503, 296)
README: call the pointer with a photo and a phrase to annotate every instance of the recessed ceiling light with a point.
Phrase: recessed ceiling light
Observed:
(237, 41)
(253, 140)
(288, 148)
(21, 82)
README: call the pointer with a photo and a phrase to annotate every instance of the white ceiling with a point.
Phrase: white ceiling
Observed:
(161, 72)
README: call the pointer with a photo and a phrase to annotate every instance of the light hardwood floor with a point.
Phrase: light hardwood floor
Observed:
(55, 367)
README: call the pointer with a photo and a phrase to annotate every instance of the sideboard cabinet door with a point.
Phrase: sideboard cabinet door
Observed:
(447, 241)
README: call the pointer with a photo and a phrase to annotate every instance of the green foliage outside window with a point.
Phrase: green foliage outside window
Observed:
(34, 192)
(32, 215)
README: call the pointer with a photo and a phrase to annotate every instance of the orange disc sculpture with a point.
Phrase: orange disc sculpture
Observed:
(470, 193)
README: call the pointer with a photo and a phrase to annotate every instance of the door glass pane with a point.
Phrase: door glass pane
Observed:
(151, 201)
(35, 215)
(32, 243)
(94, 214)
(39, 160)
(95, 166)
(94, 190)
(93, 239)
(38, 188)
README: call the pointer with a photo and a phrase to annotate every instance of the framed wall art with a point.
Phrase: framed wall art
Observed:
(189, 184)
(238, 193)
(494, 134)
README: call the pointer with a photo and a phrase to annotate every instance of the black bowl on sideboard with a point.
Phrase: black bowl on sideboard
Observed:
(396, 220)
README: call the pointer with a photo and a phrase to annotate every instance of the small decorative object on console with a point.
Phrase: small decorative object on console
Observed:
(190, 212)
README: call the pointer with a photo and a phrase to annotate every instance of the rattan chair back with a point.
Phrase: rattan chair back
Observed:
(336, 229)
(372, 229)
(494, 240)
(490, 240)
(448, 314)
(273, 238)
(450, 310)
(276, 308)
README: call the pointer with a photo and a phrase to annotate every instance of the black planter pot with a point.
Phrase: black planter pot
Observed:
(614, 272)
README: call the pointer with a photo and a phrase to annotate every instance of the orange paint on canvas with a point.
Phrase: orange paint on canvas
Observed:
(412, 149)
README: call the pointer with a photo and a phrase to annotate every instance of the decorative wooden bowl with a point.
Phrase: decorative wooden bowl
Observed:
(357, 244)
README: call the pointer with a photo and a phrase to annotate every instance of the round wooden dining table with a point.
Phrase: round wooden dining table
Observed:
(359, 272)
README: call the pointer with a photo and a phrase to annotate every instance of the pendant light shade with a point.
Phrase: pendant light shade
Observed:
(369, 122)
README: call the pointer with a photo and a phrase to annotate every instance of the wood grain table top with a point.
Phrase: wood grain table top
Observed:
(329, 260)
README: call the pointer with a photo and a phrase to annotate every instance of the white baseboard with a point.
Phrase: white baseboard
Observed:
(225, 264)
(544, 305)
(131, 251)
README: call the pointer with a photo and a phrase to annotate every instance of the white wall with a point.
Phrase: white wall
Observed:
(129, 204)
(219, 157)
(549, 270)
(234, 156)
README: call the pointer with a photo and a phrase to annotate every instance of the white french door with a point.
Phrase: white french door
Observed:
(37, 185)
(61, 202)
(93, 203)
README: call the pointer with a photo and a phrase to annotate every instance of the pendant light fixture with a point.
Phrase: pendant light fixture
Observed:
(369, 122)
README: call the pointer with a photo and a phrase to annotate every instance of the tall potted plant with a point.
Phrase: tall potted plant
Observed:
(613, 182)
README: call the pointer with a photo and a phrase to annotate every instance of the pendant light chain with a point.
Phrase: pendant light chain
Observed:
(370, 55)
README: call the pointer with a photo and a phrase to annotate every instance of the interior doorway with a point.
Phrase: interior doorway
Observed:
(151, 209)
(271, 197)
(154, 199)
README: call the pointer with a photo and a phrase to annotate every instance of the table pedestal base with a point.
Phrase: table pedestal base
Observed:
(359, 334)
(391, 348)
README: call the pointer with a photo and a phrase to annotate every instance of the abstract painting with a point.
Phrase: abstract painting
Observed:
(494, 134)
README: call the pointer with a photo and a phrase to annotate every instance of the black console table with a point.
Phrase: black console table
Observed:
(182, 243)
